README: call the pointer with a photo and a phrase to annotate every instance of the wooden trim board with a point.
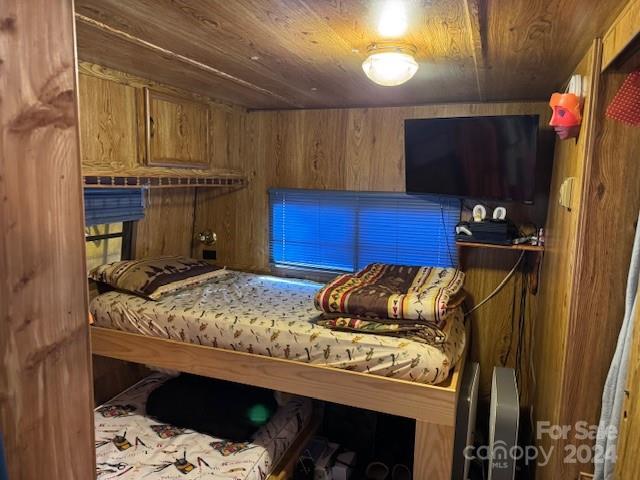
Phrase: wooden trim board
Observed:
(434, 404)
(625, 28)
(285, 468)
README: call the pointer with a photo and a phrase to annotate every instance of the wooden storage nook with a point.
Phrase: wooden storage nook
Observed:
(134, 127)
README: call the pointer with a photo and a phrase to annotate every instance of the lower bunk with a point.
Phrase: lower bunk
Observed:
(433, 407)
(131, 444)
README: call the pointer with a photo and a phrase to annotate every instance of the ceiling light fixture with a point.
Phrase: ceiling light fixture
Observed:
(393, 19)
(390, 64)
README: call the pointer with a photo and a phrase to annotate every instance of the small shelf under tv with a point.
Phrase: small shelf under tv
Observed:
(522, 247)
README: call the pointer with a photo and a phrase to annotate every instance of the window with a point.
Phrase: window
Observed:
(109, 216)
(345, 231)
(108, 243)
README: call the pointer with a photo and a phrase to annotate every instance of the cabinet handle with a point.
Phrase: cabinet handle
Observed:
(152, 127)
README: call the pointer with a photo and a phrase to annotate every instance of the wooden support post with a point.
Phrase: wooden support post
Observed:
(433, 451)
(46, 416)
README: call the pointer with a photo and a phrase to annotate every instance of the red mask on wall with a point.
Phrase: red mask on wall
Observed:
(566, 118)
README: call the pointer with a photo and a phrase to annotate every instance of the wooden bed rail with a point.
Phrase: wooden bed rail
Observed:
(433, 407)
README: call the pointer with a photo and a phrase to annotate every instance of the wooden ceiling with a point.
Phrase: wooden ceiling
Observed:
(308, 53)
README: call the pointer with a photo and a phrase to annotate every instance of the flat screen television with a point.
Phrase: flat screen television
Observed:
(484, 158)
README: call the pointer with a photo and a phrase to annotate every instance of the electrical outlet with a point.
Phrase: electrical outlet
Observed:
(208, 254)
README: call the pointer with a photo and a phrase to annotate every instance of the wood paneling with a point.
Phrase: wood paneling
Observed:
(353, 149)
(625, 28)
(46, 413)
(612, 198)
(302, 53)
(111, 377)
(628, 463)
(532, 38)
(495, 326)
(585, 272)
(177, 131)
(114, 48)
(433, 451)
(167, 227)
(572, 159)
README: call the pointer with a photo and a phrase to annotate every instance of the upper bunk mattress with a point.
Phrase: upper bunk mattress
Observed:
(275, 317)
(131, 446)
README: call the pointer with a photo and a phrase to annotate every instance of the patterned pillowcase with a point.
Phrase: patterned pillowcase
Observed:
(154, 277)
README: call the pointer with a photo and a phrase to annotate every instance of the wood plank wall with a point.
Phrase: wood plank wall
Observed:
(46, 415)
(611, 203)
(551, 324)
(588, 253)
(167, 227)
(617, 149)
(352, 149)
(628, 463)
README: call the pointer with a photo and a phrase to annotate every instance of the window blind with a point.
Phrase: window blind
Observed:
(112, 205)
(345, 231)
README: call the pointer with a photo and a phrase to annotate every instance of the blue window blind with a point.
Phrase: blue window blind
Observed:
(112, 205)
(344, 231)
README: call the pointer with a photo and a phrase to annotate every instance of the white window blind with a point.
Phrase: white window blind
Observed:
(345, 231)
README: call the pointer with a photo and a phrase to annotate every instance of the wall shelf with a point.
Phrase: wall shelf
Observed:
(521, 247)
(107, 181)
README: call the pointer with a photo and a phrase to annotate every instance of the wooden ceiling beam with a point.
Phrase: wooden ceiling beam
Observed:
(179, 57)
(475, 21)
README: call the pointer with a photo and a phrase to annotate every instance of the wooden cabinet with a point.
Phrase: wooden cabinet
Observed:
(108, 124)
(177, 131)
(131, 126)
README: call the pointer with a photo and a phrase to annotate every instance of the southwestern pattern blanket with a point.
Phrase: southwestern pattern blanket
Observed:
(393, 294)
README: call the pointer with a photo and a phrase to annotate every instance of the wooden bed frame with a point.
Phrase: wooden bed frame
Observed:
(285, 468)
(432, 406)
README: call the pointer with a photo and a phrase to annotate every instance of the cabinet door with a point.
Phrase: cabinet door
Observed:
(177, 131)
(108, 125)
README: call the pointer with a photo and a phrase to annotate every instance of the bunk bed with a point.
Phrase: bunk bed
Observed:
(133, 329)
(132, 444)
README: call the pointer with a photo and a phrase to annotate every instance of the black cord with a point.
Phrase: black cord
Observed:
(513, 315)
(521, 324)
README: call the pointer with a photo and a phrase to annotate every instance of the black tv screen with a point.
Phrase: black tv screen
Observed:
(486, 158)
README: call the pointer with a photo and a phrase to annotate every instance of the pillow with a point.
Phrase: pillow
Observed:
(154, 277)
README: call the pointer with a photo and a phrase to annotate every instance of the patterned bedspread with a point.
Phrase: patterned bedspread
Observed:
(276, 317)
(132, 446)
(393, 293)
